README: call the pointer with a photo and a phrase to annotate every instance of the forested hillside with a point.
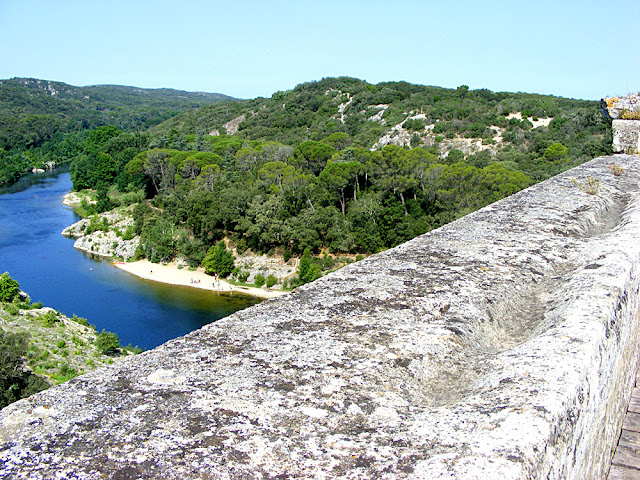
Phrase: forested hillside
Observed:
(43, 121)
(518, 126)
(339, 166)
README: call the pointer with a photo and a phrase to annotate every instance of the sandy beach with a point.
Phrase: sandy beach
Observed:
(171, 274)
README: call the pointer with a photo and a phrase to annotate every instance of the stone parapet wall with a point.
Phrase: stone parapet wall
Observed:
(626, 136)
(503, 345)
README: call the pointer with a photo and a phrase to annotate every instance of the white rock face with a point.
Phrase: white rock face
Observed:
(616, 107)
(105, 244)
(626, 136)
(503, 345)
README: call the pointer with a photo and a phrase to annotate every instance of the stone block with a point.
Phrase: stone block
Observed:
(626, 136)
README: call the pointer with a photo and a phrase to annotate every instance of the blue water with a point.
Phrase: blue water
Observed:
(51, 271)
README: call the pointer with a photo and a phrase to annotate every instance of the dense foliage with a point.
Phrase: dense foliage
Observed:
(43, 121)
(9, 288)
(338, 165)
(306, 170)
(349, 112)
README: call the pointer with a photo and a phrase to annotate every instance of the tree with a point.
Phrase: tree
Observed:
(9, 288)
(338, 140)
(103, 169)
(337, 176)
(210, 177)
(157, 167)
(218, 260)
(307, 270)
(107, 343)
(275, 174)
(556, 151)
(98, 137)
(312, 156)
(400, 173)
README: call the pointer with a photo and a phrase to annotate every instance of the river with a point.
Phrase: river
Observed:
(51, 271)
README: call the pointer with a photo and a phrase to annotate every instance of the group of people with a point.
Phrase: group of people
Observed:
(216, 281)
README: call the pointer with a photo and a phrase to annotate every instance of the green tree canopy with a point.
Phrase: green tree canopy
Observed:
(9, 288)
(218, 260)
(556, 151)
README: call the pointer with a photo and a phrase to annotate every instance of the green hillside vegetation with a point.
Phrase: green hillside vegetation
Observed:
(337, 166)
(40, 347)
(43, 121)
(311, 112)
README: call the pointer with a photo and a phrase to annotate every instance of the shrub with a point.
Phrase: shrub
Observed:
(242, 276)
(328, 262)
(66, 372)
(307, 270)
(616, 169)
(80, 320)
(16, 382)
(241, 246)
(12, 309)
(271, 281)
(136, 349)
(49, 319)
(107, 343)
(9, 288)
(129, 233)
(590, 185)
(259, 280)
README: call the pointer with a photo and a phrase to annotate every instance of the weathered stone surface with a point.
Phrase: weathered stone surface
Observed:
(104, 244)
(626, 136)
(503, 345)
(620, 107)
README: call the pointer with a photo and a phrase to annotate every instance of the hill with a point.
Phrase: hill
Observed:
(331, 168)
(32, 110)
(43, 123)
(404, 114)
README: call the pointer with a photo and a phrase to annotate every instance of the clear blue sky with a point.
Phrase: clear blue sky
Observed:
(579, 49)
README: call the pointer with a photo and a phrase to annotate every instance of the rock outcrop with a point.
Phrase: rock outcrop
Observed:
(108, 241)
(503, 345)
(620, 107)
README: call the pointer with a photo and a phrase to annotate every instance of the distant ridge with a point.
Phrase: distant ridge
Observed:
(32, 110)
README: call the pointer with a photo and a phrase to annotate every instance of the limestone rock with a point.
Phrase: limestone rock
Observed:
(626, 136)
(104, 243)
(620, 107)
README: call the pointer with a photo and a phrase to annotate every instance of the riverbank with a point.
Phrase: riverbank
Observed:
(171, 274)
